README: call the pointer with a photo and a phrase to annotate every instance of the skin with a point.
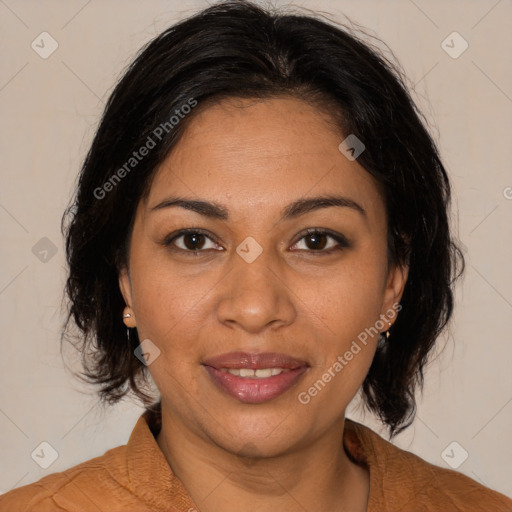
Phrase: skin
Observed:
(255, 157)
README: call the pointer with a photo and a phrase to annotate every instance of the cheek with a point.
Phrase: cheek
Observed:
(349, 304)
(169, 304)
(168, 309)
(350, 300)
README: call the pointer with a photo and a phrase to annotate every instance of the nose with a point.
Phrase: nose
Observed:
(256, 295)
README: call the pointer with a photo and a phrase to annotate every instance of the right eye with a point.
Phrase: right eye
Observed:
(192, 241)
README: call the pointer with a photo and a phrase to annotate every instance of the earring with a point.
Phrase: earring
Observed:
(386, 334)
(125, 316)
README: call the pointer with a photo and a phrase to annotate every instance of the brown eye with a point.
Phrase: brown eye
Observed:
(318, 241)
(192, 241)
(322, 241)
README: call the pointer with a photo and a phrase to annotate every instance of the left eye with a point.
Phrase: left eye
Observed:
(318, 241)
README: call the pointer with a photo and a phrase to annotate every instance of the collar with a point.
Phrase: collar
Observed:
(149, 473)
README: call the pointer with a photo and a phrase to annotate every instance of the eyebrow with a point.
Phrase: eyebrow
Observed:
(215, 210)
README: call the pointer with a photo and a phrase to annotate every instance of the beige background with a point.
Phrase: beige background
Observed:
(49, 110)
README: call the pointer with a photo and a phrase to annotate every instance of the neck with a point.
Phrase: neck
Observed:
(318, 476)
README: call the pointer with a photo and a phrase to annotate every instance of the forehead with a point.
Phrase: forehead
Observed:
(254, 153)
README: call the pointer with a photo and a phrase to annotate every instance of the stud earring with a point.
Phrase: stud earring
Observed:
(127, 313)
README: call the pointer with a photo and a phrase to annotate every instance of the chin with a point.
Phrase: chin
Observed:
(256, 437)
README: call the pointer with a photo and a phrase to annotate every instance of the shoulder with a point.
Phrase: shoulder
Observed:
(404, 481)
(76, 488)
(131, 477)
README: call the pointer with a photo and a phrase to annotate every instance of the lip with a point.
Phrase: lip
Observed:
(254, 391)
(254, 361)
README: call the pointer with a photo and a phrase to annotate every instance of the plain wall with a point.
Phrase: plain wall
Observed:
(49, 111)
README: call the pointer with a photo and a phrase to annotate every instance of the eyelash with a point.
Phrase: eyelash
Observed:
(340, 239)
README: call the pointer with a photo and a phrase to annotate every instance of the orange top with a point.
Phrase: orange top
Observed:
(136, 477)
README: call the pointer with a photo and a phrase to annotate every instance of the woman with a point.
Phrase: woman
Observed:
(261, 228)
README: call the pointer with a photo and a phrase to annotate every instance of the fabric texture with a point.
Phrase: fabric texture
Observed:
(136, 478)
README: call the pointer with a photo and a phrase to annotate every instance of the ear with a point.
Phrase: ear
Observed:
(125, 286)
(397, 277)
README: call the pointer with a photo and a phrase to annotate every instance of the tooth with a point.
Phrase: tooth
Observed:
(265, 372)
(261, 373)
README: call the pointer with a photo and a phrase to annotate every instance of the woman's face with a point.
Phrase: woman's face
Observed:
(258, 282)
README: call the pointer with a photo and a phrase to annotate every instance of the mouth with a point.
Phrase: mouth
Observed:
(254, 378)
